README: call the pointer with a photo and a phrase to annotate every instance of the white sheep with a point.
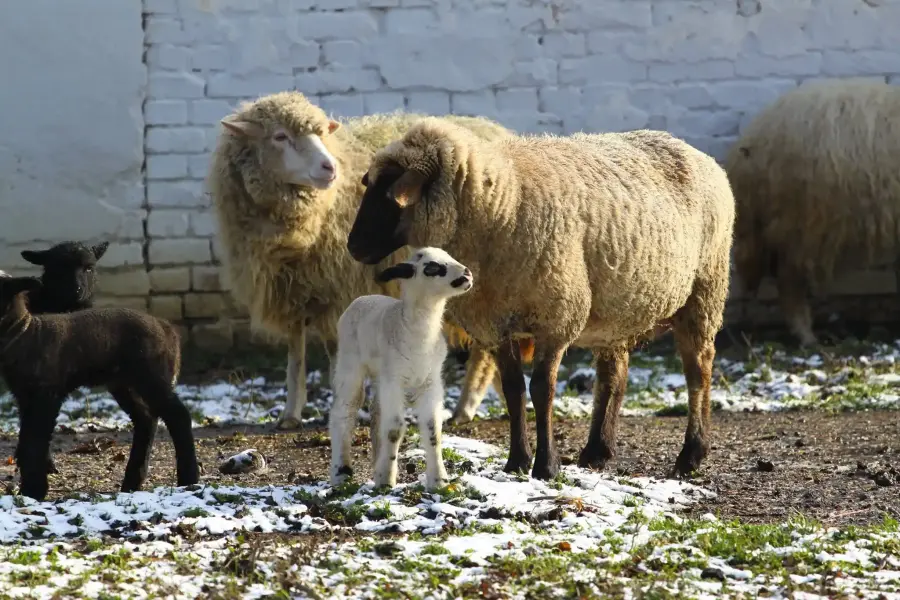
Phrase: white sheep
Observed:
(400, 343)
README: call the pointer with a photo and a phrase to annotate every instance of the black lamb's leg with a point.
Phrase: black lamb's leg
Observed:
(145, 425)
(177, 418)
(38, 418)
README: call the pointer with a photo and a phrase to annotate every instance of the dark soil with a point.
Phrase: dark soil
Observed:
(838, 469)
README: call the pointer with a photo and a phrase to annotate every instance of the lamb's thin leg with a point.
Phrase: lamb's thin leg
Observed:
(177, 418)
(792, 295)
(291, 416)
(145, 425)
(391, 427)
(480, 370)
(609, 391)
(348, 397)
(513, 383)
(697, 355)
(543, 390)
(37, 420)
(429, 406)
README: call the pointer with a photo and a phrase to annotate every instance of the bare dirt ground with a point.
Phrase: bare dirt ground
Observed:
(836, 468)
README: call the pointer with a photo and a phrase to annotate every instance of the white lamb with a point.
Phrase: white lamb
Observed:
(399, 343)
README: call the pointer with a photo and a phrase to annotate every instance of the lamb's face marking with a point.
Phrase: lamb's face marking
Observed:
(431, 272)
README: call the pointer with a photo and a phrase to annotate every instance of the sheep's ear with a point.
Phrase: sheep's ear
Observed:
(100, 249)
(35, 257)
(333, 126)
(398, 271)
(17, 285)
(407, 190)
(242, 128)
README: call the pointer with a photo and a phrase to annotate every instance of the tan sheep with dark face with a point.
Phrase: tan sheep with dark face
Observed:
(285, 182)
(817, 187)
(596, 241)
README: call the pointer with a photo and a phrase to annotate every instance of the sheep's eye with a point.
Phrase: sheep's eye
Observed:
(433, 269)
(280, 136)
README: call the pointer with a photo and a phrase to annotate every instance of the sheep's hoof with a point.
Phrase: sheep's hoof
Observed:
(692, 454)
(285, 422)
(460, 418)
(595, 456)
(546, 467)
(519, 461)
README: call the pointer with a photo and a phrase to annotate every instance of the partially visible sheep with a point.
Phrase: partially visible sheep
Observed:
(285, 182)
(68, 280)
(399, 343)
(43, 358)
(817, 188)
(596, 240)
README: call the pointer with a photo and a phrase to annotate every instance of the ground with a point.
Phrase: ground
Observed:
(800, 495)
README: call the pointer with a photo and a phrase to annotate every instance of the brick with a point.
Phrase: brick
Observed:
(123, 255)
(342, 25)
(170, 280)
(165, 112)
(474, 103)
(765, 66)
(210, 57)
(343, 105)
(209, 112)
(383, 3)
(167, 166)
(226, 85)
(429, 103)
(531, 122)
(181, 194)
(164, 140)
(341, 80)
(559, 100)
(517, 99)
(609, 42)
(155, 7)
(382, 102)
(593, 16)
(344, 54)
(214, 337)
(610, 68)
(198, 166)
(748, 94)
(206, 279)
(179, 251)
(691, 96)
(124, 283)
(704, 123)
(132, 302)
(204, 306)
(857, 63)
(170, 308)
(175, 85)
(203, 224)
(164, 30)
(416, 21)
(304, 54)
(167, 223)
(169, 57)
(537, 72)
(563, 43)
(706, 70)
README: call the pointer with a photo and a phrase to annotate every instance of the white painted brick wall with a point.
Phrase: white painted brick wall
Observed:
(698, 68)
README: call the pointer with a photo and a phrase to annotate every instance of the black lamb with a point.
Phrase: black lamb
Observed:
(136, 356)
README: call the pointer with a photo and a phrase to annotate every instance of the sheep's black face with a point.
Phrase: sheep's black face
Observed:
(68, 276)
(383, 219)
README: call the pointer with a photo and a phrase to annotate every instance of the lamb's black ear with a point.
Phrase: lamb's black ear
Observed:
(12, 286)
(35, 257)
(100, 249)
(398, 271)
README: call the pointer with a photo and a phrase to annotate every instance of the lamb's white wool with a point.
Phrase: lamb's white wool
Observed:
(400, 344)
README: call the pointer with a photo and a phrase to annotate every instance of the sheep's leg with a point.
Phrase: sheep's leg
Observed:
(509, 362)
(697, 355)
(348, 397)
(609, 392)
(543, 390)
(480, 370)
(177, 419)
(792, 295)
(36, 430)
(145, 425)
(391, 427)
(291, 416)
(429, 406)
